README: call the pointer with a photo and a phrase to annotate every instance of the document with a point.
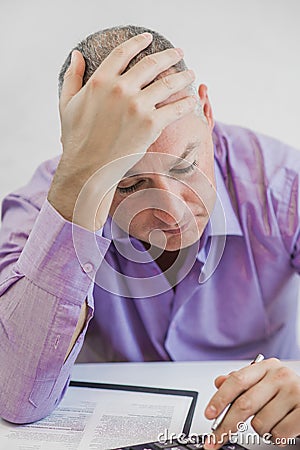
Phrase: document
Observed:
(91, 418)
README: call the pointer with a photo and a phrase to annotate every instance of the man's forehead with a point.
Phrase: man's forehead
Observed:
(160, 161)
(176, 141)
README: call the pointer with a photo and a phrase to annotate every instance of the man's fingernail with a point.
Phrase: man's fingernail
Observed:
(211, 411)
(148, 35)
(73, 56)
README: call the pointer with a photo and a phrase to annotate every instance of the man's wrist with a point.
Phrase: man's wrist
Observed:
(63, 200)
(85, 203)
(84, 195)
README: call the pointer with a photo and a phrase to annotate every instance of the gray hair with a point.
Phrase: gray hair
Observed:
(97, 46)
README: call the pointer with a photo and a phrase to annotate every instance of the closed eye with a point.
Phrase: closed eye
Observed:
(178, 171)
(130, 189)
(187, 169)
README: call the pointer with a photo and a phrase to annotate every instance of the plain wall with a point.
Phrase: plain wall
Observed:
(247, 52)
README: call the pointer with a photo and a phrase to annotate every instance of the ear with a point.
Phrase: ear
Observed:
(207, 109)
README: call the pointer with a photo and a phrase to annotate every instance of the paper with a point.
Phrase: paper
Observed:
(89, 419)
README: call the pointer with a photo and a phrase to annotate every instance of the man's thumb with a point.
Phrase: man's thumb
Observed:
(73, 79)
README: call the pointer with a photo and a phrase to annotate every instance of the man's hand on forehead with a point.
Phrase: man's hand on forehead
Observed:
(113, 117)
(109, 91)
(140, 75)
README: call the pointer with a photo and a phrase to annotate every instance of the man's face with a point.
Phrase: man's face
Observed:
(169, 194)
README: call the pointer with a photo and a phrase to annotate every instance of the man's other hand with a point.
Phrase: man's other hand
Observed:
(267, 390)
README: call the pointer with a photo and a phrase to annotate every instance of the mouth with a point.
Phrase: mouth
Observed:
(177, 230)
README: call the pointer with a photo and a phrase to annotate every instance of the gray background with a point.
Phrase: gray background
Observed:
(247, 52)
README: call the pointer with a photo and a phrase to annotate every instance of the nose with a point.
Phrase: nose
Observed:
(168, 205)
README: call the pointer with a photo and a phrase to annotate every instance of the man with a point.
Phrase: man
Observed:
(119, 229)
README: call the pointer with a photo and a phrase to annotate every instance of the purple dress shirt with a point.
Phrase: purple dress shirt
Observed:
(48, 267)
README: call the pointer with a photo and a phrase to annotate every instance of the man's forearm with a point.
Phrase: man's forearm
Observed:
(41, 316)
(34, 337)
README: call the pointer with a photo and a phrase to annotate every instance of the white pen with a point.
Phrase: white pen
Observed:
(221, 416)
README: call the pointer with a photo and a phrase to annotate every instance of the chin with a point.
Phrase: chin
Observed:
(174, 243)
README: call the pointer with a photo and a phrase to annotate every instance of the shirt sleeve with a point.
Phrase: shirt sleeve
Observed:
(288, 213)
(47, 268)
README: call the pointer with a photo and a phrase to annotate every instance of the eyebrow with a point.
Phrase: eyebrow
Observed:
(188, 149)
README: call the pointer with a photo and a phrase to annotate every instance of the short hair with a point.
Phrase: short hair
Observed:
(97, 46)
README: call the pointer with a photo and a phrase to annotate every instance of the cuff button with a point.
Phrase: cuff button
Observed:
(88, 267)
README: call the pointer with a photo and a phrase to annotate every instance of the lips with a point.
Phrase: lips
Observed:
(177, 230)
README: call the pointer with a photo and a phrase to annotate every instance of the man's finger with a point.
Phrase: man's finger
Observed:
(272, 413)
(220, 380)
(171, 112)
(287, 428)
(237, 383)
(162, 89)
(148, 68)
(119, 58)
(73, 79)
(242, 408)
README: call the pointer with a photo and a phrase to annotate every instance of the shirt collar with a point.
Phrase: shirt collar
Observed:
(223, 221)
(232, 225)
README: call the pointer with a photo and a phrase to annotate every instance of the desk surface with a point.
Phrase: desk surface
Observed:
(198, 376)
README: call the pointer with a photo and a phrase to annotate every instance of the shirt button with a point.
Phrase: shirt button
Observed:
(88, 267)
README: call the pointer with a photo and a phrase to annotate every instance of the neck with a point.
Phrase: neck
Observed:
(168, 259)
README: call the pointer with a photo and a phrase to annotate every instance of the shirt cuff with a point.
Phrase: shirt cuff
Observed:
(60, 257)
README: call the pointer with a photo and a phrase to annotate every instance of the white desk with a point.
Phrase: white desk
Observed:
(197, 376)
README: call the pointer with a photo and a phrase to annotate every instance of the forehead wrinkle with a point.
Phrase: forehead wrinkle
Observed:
(188, 149)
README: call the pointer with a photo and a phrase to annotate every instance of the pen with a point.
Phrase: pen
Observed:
(221, 416)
